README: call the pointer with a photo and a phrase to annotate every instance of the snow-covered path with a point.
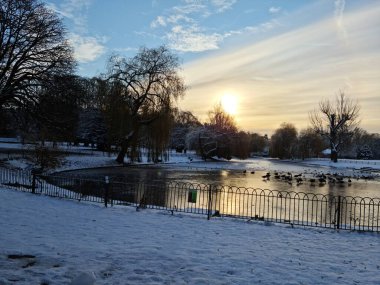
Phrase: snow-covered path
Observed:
(122, 246)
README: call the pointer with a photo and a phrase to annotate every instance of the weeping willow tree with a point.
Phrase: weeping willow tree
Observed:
(157, 137)
(116, 112)
(145, 88)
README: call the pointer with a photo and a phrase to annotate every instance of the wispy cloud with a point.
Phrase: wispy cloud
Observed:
(223, 5)
(184, 32)
(192, 39)
(274, 10)
(294, 69)
(87, 47)
(75, 10)
(339, 10)
(159, 21)
(126, 49)
(263, 27)
(173, 19)
(191, 7)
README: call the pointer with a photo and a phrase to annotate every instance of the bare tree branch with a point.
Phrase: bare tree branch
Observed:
(32, 49)
(336, 122)
(148, 83)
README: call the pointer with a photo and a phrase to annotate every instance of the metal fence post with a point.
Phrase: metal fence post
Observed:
(106, 191)
(209, 206)
(34, 183)
(338, 214)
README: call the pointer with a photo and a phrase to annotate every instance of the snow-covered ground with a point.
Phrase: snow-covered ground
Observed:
(50, 241)
(85, 157)
(77, 157)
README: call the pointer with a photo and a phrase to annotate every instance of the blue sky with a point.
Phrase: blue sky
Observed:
(277, 58)
(192, 28)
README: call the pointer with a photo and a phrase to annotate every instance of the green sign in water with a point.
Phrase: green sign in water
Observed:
(192, 198)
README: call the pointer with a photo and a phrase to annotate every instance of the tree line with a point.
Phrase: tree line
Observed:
(132, 105)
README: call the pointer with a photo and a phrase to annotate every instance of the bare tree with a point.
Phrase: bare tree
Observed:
(32, 49)
(336, 121)
(183, 122)
(148, 84)
(217, 136)
(57, 111)
(185, 118)
(222, 121)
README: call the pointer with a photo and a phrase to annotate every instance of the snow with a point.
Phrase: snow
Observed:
(68, 242)
(9, 140)
(84, 157)
(326, 151)
(345, 163)
(344, 167)
(76, 157)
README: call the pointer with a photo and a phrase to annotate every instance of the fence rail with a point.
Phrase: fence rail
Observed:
(304, 209)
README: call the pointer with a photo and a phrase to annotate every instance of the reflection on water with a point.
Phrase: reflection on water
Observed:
(197, 191)
(360, 188)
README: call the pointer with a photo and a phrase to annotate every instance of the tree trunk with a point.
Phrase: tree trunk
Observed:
(121, 156)
(124, 146)
(334, 156)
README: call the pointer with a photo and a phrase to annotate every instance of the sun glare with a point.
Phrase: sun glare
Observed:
(229, 103)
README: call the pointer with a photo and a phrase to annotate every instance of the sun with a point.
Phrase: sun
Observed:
(229, 103)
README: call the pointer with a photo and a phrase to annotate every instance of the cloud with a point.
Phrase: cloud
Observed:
(75, 10)
(339, 10)
(159, 21)
(185, 34)
(183, 31)
(274, 10)
(191, 39)
(260, 28)
(173, 19)
(295, 69)
(190, 8)
(125, 49)
(203, 7)
(87, 49)
(223, 5)
(263, 27)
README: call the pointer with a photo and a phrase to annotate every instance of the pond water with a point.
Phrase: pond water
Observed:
(217, 173)
(257, 192)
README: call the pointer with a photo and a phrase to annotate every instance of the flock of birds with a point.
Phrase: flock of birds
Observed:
(313, 178)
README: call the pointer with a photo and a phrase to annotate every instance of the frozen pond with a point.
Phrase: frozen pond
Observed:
(247, 175)
(328, 204)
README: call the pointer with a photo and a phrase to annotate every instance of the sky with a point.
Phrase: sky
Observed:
(273, 60)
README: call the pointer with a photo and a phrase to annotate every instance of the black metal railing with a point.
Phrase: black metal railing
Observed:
(294, 208)
(16, 178)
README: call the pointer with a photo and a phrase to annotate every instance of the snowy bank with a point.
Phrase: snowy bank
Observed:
(78, 157)
(13, 156)
(60, 242)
